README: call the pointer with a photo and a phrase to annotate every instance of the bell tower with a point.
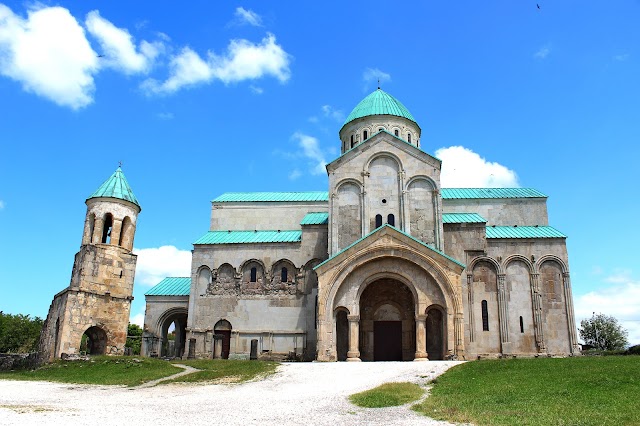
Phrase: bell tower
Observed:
(97, 302)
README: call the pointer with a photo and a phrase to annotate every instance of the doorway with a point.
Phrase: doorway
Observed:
(387, 340)
(342, 335)
(223, 328)
(435, 334)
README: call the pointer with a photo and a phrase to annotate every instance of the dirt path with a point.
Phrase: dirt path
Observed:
(187, 370)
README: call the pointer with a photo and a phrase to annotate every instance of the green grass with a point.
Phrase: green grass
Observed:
(225, 371)
(570, 391)
(388, 395)
(100, 370)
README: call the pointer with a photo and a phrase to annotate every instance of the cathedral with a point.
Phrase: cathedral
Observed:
(384, 266)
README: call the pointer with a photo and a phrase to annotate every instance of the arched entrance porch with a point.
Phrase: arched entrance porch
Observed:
(173, 334)
(94, 341)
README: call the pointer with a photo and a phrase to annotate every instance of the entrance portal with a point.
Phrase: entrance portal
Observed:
(223, 327)
(387, 322)
(173, 332)
(435, 334)
(342, 335)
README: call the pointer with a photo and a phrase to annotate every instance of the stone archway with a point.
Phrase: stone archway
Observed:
(387, 321)
(223, 327)
(95, 342)
(435, 328)
(173, 345)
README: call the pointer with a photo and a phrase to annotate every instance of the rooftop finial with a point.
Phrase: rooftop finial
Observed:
(378, 83)
(120, 164)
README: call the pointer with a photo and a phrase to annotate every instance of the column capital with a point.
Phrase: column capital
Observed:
(353, 318)
(421, 317)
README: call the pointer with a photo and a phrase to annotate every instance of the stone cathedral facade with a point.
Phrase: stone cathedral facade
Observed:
(385, 265)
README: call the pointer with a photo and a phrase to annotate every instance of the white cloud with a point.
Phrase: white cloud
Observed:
(295, 174)
(2, 204)
(165, 115)
(137, 319)
(154, 264)
(542, 53)
(48, 54)
(463, 168)
(257, 90)
(243, 60)
(622, 58)
(374, 75)
(118, 46)
(620, 300)
(311, 150)
(332, 113)
(244, 16)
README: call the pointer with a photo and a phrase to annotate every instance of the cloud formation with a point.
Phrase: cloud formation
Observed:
(542, 53)
(155, 264)
(2, 204)
(619, 298)
(463, 168)
(244, 16)
(243, 60)
(49, 55)
(310, 149)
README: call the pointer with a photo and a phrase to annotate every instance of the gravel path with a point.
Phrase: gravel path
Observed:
(298, 394)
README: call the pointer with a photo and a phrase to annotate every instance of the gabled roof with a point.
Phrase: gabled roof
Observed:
(248, 237)
(171, 286)
(397, 230)
(379, 103)
(116, 187)
(320, 218)
(476, 193)
(497, 232)
(462, 218)
(230, 197)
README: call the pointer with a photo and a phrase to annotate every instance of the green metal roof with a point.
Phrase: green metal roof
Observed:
(319, 218)
(465, 193)
(171, 286)
(116, 187)
(230, 197)
(379, 103)
(462, 218)
(248, 237)
(402, 232)
(523, 232)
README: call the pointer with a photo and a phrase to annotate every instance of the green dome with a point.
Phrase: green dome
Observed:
(379, 103)
(116, 187)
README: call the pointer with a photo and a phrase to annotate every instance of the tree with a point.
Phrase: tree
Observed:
(134, 338)
(603, 332)
(19, 333)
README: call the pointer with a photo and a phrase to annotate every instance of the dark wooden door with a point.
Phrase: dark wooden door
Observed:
(387, 341)
(226, 342)
(435, 335)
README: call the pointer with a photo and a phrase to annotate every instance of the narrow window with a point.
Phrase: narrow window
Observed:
(381, 129)
(378, 220)
(283, 275)
(521, 325)
(106, 229)
(409, 137)
(485, 316)
(395, 132)
(365, 135)
(254, 275)
(391, 220)
(351, 141)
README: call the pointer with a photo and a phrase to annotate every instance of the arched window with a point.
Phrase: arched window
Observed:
(254, 275)
(485, 316)
(283, 275)
(365, 135)
(409, 137)
(391, 220)
(124, 231)
(352, 141)
(106, 229)
(378, 220)
(396, 132)
(521, 325)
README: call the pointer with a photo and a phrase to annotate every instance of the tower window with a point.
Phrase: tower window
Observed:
(396, 132)
(365, 135)
(378, 220)
(409, 137)
(254, 275)
(106, 229)
(283, 275)
(391, 220)
(521, 325)
(352, 141)
(485, 316)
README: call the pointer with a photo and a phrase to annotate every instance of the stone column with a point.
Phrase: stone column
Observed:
(115, 231)
(354, 338)
(459, 335)
(97, 230)
(421, 338)
(401, 207)
(472, 329)
(502, 309)
(568, 300)
(536, 300)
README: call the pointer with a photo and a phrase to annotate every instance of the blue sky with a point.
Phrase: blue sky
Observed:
(210, 97)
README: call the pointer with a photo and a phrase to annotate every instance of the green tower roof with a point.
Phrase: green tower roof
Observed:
(116, 187)
(379, 103)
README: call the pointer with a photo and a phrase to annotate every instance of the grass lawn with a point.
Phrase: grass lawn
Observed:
(100, 370)
(546, 391)
(227, 371)
(388, 395)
